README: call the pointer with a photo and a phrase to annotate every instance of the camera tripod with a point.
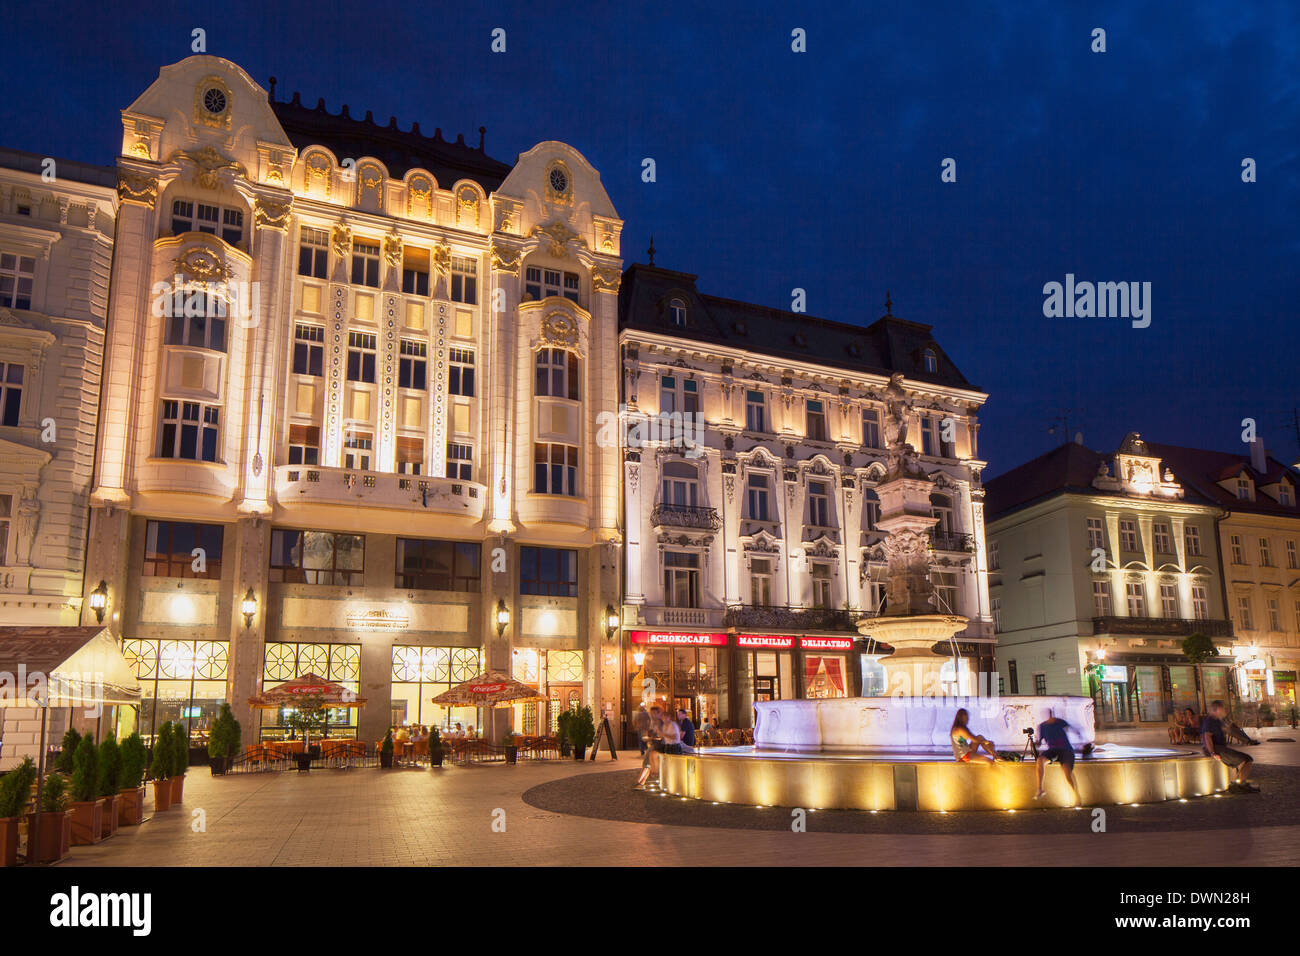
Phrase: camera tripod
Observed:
(1030, 753)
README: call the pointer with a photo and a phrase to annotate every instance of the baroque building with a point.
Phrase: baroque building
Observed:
(56, 243)
(352, 380)
(753, 440)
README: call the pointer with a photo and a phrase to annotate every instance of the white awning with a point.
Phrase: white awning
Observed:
(64, 667)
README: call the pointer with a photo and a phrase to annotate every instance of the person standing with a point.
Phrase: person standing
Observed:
(687, 727)
(1054, 733)
(641, 724)
(1216, 746)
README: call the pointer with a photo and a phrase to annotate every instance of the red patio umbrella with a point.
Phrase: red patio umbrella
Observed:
(307, 685)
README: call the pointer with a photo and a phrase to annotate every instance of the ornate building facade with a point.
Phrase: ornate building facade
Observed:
(753, 440)
(56, 243)
(352, 381)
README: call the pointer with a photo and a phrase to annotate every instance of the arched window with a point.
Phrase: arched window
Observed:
(557, 374)
(677, 313)
(931, 361)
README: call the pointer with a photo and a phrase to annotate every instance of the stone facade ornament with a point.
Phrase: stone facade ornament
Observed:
(208, 166)
(341, 240)
(200, 264)
(558, 236)
(393, 250)
(272, 214)
(28, 516)
(137, 188)
(559, 328)
(505, 259)
(606, 279)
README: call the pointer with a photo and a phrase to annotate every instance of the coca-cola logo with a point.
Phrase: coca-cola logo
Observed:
(308, 689)
(486, 688)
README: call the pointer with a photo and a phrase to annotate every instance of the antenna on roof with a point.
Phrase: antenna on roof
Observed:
(271, 97)
(651, 250)
(889, 304)
(482, 134)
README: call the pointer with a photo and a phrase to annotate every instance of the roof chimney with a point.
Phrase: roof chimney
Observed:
(1258, 457)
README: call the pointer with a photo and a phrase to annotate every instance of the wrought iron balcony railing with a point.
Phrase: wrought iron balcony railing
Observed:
(685, 516)
(793, 618)
(1163, 626)
(951, 542)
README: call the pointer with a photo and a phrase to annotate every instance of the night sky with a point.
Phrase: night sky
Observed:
(821, 170)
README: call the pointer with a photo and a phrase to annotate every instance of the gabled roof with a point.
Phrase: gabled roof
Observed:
(399, 150)
(1066, 468)
(888, 345)
(1203, 470)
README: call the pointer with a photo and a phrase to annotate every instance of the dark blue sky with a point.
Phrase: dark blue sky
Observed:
(821, 170)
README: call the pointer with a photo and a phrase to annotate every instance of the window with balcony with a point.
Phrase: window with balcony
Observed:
(755, 411)
(200, 322)
(1200, 603)
(11, 394)
(361, 357)
(816, 420)
(313, 253)
(1161, 538)
(871, 428)
(820, 574)
(1192, 539)
(1137, 600)
(540, 283)
(191, 216)
(464, 280)
(365, 263)
(681, 579)
(317, 557)
(415, 272)
(1238, 550)
(681, 484)
(188, 430)
(941, 508)
(557, 374)
(1168, 600)
(1265, 553)
(409, 455)
(309, 350)
(819, 504)
(1101, 598)
(756, 498)
(431, 565)
(555, 469)
(304, 444)
(413, 365)
(460, 372)
(357, 449)
(17, 275)
(1128, 534)
(760, 582)
(460, 461)
(552, 572)
(172, 550)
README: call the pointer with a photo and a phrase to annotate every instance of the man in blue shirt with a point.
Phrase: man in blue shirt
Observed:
(1053, 732)
(1215, 745)
(688, 728)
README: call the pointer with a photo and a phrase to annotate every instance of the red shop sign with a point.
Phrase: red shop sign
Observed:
(486, 688)
(763, 640)
(826, 643)
(677, 638)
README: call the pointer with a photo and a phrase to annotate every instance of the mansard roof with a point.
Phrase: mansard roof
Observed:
(1203, 470)
(399, 150)
(888, 345)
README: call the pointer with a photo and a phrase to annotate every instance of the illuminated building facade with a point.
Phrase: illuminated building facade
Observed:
(352, 381)
(753, 441)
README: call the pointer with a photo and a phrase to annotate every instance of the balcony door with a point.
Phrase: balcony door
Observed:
(681, 485)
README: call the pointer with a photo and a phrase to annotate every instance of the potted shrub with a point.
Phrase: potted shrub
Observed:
(87, 809)
(180, 761)
(435, 747)
(563, 723)
(1293, 718)
(160, 767)
(223, 741)
(15, 791)
(1266, 715)
(386, 750)
(110, 783)
(55, 837)
(63, 762)
(511, 748)
(307, 718)
(581, 731)
(131, 808)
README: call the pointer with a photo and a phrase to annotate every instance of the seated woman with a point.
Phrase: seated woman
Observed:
(965, 742)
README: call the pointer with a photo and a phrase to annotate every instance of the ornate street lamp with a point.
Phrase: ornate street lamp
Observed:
(611, 621)
(503, 617)
(248, 607)
(99, 601)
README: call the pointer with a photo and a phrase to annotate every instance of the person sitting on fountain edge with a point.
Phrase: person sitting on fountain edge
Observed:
(1054, 732)
(1215, 745)
(965, 742)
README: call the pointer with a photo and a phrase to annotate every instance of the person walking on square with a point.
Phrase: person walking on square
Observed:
(641, 723)
(1054, 733)
(1216, 746)
(654, 746)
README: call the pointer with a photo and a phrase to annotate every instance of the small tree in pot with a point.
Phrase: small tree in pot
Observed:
(15, 791)
(67, 750)
(109, 783)
(53, 841)
(160, 767)
(562, 721)
(87, 810)
(223, 741)
(386, 750)
(307, 717)
(582, 731)
(435, 747)
(511, 748)
(131, 809)
(180, 760)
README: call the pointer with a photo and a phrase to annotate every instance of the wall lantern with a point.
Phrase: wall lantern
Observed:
(99, 601)
(638, 657)
(611, 621)
(248, 607)
(503, 618)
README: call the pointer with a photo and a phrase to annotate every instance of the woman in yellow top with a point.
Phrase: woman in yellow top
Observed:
(966, 742)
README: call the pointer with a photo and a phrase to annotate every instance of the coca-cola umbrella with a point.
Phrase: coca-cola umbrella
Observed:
(489, 689)
(304, 688)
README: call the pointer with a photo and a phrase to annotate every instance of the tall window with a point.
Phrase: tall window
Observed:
(1243, 612)
(945, 591)
(679, 396)
(931, 361)
(199, 323)
(1192, 538)
(540, 283)
(555, 469)
(409, 455)
(1168, 600)
(1238, 550)
(821, 584)
(756, 497)
(1243, 489)
(557, 374)
(1096, 535)
(317, 557)
(313, 253)
(308, 350)
(1160, 538)
(357, 447)
(304, 444)
(361, 357)
(755, 411)
(1014, 678)
(6, 516)
(995, 558)
(677, 313)
(17, 274)
(178, 549)
(1274, 615)
(929, 435)
(415, 272)
(1137, 602)
(11, 392)
(1291, 556)
(995, 608)
(816, 421)
(819, 504)
(681, 579)
(413, 365)
(1200, 603)
(365, 263)
(870, 509)
(464, 280)
(429, 565)
(1265, 554)
(1101, 598)
(188, 430)
(941, 508)
(871, 428)
(190, 216)
(760, 582)
(681, 484)
(460, 372)
(1128, 535)
(552, 572)
(460, 461)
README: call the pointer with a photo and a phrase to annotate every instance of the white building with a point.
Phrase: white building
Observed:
(751, 544)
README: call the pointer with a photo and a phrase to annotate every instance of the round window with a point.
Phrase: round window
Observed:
(559, 181)
(214, 101)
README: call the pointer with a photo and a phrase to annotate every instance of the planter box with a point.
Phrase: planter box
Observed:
(130, 808)
(579, 753)
(435, 758)
(87, 822)
(9, 841)
(512, 753)
(162, 795)
(178, 789)
(110, 805)
(218, 765)
(55, 837)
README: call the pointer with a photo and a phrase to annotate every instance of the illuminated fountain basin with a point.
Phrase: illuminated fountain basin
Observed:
(894, 754)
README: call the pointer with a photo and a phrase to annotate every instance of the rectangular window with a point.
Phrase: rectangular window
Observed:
(552, 572)
(1265, 554)
(1101, 598)
(361, 357)
(995, 558)
(760, 582)
(1274, 615)
(1137, 601)
(816, 421)
(1200, 603)
(430, 565)
(819, 504)
(1040, 685)
(6, 516)
(365, 263)
(317, 557)
(460, 374)
(309, 350)
(1291, 556)
(357, 447)
(304, 444)
(178, 549)
(1243, 612)
(681, 579)
(188, 430)
(1168, 600)
(1238, 550)
(198, 320)
(460, 461)
(17, 275)
(929, 435)
(410, 455)
(1160, 538)
(232, 226)
(415, 272)
(1011, 674)
(821, 584)
(555, 469)
(557, 374)
(1243, 489)
(540, 283)
(11, 395)
(945, 592)
(995, 607)
(313, 253)
(1128, 535)
(755, 412)
(464, 280)
(871, 428)
(756, 497)
(1192, 538)
(413, 365)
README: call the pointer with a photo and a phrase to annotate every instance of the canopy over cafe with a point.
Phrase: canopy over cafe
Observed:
(718, 677)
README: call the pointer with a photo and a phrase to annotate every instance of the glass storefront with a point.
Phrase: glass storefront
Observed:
(180, 681)
(825, 675)
(340, 663)
(557, 676)
(678, 677)
(421, 674)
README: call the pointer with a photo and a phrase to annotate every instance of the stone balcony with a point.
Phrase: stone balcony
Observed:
(313, 484)
(685, 516)
(703, 617)
(961, 543)
(1161, 626)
